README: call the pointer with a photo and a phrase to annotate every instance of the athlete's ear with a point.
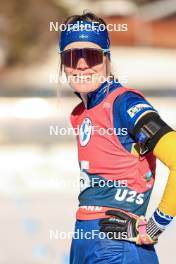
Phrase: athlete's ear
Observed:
(61, 67)
(108, 66)
(64, 70)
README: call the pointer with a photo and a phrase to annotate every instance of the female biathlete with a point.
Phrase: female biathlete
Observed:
(120, 136)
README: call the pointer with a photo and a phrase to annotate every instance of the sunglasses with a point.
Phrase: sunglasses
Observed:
(93, 57)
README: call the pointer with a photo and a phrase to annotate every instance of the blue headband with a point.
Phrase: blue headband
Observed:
(85, 31)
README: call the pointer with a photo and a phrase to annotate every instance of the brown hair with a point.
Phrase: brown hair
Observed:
(86, 16)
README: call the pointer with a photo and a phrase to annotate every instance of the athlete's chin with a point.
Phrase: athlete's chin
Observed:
(85, 87)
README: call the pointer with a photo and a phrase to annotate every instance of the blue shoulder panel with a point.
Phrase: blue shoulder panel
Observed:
(127, 109)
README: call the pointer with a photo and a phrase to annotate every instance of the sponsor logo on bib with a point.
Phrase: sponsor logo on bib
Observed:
(85, 131)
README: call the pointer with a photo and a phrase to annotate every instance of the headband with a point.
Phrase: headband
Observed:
(85, 31)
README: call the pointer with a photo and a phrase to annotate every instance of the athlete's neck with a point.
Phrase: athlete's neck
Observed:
(84, 98)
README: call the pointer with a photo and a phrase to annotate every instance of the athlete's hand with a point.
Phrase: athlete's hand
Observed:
(125, 226)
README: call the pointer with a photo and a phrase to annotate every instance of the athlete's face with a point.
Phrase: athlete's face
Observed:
(83, 78)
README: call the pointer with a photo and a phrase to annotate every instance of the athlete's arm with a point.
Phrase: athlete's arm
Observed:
(153, 134)
(165, 150)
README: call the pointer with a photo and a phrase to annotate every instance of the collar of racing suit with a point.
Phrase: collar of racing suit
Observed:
(96, 97)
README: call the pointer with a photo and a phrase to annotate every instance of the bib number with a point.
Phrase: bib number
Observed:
(129, 196)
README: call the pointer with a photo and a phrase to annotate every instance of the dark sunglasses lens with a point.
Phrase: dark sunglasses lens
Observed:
(70, 58)
(93, 57)
(75, 55)
(66, 58)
